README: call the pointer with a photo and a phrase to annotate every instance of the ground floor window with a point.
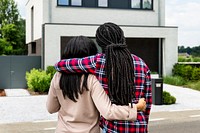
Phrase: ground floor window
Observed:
(33, 47)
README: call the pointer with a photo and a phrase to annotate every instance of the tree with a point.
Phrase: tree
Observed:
(12, 29)
(9, 13)
(5, 47)
(181, 49)
(194, 51)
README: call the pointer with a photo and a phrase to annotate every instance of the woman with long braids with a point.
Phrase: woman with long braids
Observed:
(124, 76)
(79, 98)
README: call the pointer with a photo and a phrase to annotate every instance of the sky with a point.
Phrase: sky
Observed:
(185, 14)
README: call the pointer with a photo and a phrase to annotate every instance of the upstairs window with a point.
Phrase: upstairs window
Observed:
(135, 4)
(76, 2)
(117, 4)
(63, 2)
(142, 4)
(102, 3)
(70, 2)
(147, 4)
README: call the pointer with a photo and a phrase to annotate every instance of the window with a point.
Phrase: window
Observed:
(33, 47)
(135, 4)
(63, 2)
(117, 4)
(147, 4)
(70, 2)
(102, 3)
(32, 23)
(76, 2)
(142, 4)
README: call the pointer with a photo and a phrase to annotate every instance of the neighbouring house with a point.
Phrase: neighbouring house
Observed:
(185, 55)
(51, 23)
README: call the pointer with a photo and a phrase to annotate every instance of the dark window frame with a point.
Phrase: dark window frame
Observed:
(108, 7)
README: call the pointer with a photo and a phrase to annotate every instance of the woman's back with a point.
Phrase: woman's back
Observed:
(77, 117)
(83, 116)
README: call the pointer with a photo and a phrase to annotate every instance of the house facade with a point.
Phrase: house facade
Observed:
(51, 23)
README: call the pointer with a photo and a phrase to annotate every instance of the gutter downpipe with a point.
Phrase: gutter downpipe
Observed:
(160, 41)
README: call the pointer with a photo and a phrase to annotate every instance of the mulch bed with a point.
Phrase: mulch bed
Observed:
(2, 93)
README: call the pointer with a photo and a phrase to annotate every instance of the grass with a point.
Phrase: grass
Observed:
(179, 81)
(193, 85)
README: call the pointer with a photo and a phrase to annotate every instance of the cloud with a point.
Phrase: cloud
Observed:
(185, 15)
(182, 13)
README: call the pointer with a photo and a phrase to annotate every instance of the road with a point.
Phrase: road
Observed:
(175, 122)
(160, 122)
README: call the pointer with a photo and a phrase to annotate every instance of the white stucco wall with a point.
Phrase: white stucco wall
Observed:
(52, 39)
(169, 35)
(47, 11)
(82, 15)
(38, 19)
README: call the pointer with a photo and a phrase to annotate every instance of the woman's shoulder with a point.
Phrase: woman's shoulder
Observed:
(91, 80)
(56, 80)
(57, 75)
(92, 77)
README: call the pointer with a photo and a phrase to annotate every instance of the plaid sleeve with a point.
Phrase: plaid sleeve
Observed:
(77, 65)
(148, 95)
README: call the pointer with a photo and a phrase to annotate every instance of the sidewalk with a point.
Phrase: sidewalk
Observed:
(19, 106)
(186, 99)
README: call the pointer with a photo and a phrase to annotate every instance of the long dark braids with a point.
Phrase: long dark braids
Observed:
(119, 63)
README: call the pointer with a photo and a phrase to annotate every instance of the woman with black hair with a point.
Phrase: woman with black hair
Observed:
(124, 76)
(79, 99)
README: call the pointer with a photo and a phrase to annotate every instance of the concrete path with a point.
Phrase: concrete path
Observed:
(23, 109)
(186, 99)
(18, 106)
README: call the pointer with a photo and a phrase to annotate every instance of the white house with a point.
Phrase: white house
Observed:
(51, 23)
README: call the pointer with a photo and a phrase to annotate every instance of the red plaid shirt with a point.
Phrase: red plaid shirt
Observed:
(96, 65)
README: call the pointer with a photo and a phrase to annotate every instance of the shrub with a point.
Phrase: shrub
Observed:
(38, 80)
(196, 59)
(51, 70)
(168, 99)
(178, 69)
(184, 71)
(196, 74)
(176, 80)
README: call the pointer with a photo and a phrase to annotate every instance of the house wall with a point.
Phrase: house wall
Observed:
(37, 48)
(53, 35)
(47, 11)
(135, 23)
(38, 20)
(82, 15)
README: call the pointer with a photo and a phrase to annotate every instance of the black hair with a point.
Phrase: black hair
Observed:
(119, 63)
(70, 84)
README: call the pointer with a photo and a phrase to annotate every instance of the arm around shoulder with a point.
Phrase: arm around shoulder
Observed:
(106, 108)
